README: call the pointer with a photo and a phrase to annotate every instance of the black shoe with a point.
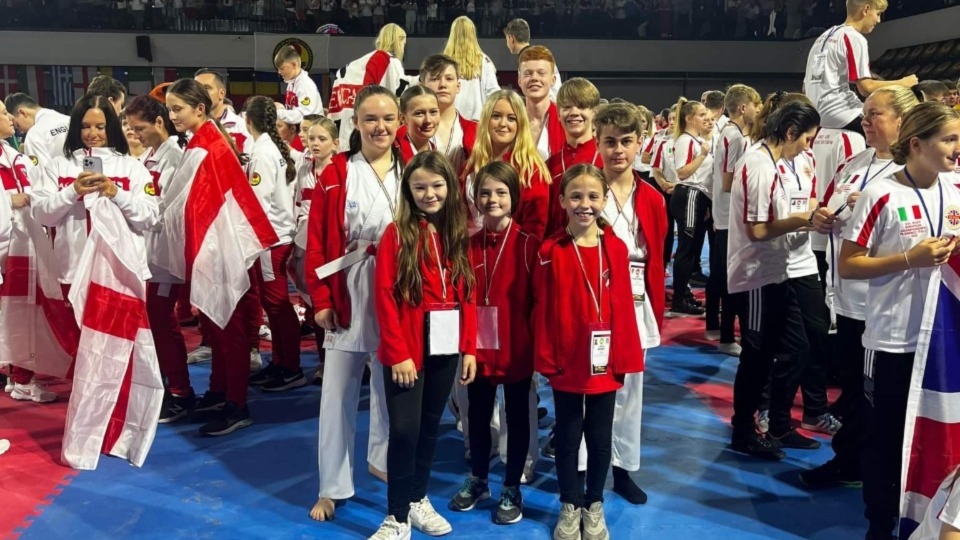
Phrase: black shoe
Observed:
(792, 439)
(510, 507)
(698, 280)
(285, 381)
(176, 407)
(230, 419)
(624, 486)
(550, 450)
(827, 476)
(265, 375)
(757, 445)
(685, 307)
(195, 321)
(211, 402)
(471, 492)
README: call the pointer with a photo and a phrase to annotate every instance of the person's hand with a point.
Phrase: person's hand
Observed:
(88, 182)
(669, 189)
(108, 188)
(931, 252)
(469, 371)
(823, 220)
(19, 200)
(910, 81)
(704, 148)
(326, 319)
(352, 246)
(852, 199)
(405, 373)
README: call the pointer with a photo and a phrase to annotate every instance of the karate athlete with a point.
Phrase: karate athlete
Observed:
(272, 174)
(577, 102)
(355, 199)
(150, 122)
(517, 34)
(477, 75)
(456, 133)
(535, 78)
(384, 66)
(420, 115)
(45, 129)
(301, 97)
(637, 215)
(232, 122)
(17, 173)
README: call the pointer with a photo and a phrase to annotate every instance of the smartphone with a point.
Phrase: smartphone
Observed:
(93, 164)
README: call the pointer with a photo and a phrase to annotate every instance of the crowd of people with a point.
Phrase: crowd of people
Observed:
(450, 237)
(654, 19)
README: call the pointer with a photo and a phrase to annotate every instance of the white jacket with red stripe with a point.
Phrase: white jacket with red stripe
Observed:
(161, 163)
(17, 173)
(301, 98)
(58, 206)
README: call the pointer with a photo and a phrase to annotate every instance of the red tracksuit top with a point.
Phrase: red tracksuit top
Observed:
(558, 163)
(564, 310)
(402, 325)
(511, 291)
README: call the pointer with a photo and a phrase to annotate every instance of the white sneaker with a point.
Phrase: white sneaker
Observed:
(527, 475)
(4, 446)
(256, 361)
(265, 333)
(568, 526)
(391, 529)
(712, 335)
(730, 349)
(33, 391)
(594, 524)
(200, 354)
(8, 387)
(427, 520)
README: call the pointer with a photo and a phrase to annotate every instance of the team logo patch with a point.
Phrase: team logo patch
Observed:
(255, 179)
(150, 190)
(952, 215)
(306, 53)
(35, 161)
(306, 101)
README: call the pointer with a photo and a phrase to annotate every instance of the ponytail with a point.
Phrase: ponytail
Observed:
(262, 115)
(684, 109)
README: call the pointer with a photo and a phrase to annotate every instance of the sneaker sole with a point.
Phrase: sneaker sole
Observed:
(21, 397)
(239, 425)
(302, 381)
(481, 498)
(174, 418)
(212, 408)
(198, 360)
(767, 456)
(442, 532)
(817, 429)
(497, 521)
(679, 314)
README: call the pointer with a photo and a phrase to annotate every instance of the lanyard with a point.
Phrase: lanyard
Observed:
(793, 169)
(383, 187)
(924, 204)
(489, 277)
(443, 271)
(430, 144)
(633, 227)
(776, 170)
(830, 35)
(583, 270)
(453, 130)
(866, 177)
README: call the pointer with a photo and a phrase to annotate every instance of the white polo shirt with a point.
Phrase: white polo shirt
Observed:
(800, 181)
(730, 147)
(686, 148)
(831, 148)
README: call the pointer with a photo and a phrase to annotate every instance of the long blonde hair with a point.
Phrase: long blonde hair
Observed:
(524, 155)
(464, 48)
(391, 39)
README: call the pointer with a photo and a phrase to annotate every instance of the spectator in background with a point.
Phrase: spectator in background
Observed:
(794, 19)
(366, 16)
(934, 91)
(952, 89)
(379, 15)
(410, 8)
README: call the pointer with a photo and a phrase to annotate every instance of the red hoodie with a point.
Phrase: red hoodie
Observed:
(511, 290)
(558, 163)
(534, 207)
(402, 325)
(564, 311)
(556, 136)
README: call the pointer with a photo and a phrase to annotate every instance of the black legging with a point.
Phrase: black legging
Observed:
(587, 417)
(414, 421)
(482, 393)
(690, 207)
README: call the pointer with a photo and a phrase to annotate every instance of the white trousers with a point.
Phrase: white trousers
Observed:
(626, 426)
(498, 422)
(339, 400)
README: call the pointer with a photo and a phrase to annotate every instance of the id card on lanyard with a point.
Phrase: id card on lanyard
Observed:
(442, 324)
(637, 281)
(600, 334)
(488, 330)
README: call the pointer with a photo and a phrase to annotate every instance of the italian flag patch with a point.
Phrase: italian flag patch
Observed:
(907, 213)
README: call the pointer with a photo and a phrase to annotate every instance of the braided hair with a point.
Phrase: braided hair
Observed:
(262, 115)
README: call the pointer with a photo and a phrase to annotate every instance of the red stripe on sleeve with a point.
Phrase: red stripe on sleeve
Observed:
(871, 222)
(853, 75)
(847, 147)
(689, 153)
(658, 158)
(773, 188)
(376, 68)
(746, 192)
(726, 153)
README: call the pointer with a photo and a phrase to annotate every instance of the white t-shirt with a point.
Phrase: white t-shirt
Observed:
(944, 507)
(731, 143)
(848, 297)
(663, 159)
(801, 184)
(686, 149)
(831, 148)
(267, 174)
(891, 218)
(837, 59)
(759, 195)
(474, 92)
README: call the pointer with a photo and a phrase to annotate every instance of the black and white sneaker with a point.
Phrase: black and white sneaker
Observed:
(211, 402)
(265, 375)
(230, 419)
(176, 407)
(685, 307)
(285, 381)
(757, 445)
(550, 450)
(793, 439)
(471, 492)
(510, 507)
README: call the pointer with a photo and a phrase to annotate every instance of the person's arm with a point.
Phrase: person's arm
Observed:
(949, 532)
(869, 86)
(393, 344)
(308, 102)
(51, 204)
(691, 160)
(139, 206)
(855, 263)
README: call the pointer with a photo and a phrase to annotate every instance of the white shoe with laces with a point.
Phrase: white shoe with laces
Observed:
(730, 349)
(265, 333)
(256, 361)
(712, 335)
(8, 387)
(391, 529)
(32, 391)
(424, 518)
(200, 354)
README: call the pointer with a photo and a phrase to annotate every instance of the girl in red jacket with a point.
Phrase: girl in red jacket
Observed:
(420, 116)
(503, 257)
(586, 341)
(423, 293)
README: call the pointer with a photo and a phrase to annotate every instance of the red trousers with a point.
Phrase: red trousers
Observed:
(283, 321)
(206, 334)
(184, 310)
(231, 347)
(167, 337)
(20, 375)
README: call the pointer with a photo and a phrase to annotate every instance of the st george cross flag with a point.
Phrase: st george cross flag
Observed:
(117, 389)
(932, 435)
(215, 225)
(37, 330)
